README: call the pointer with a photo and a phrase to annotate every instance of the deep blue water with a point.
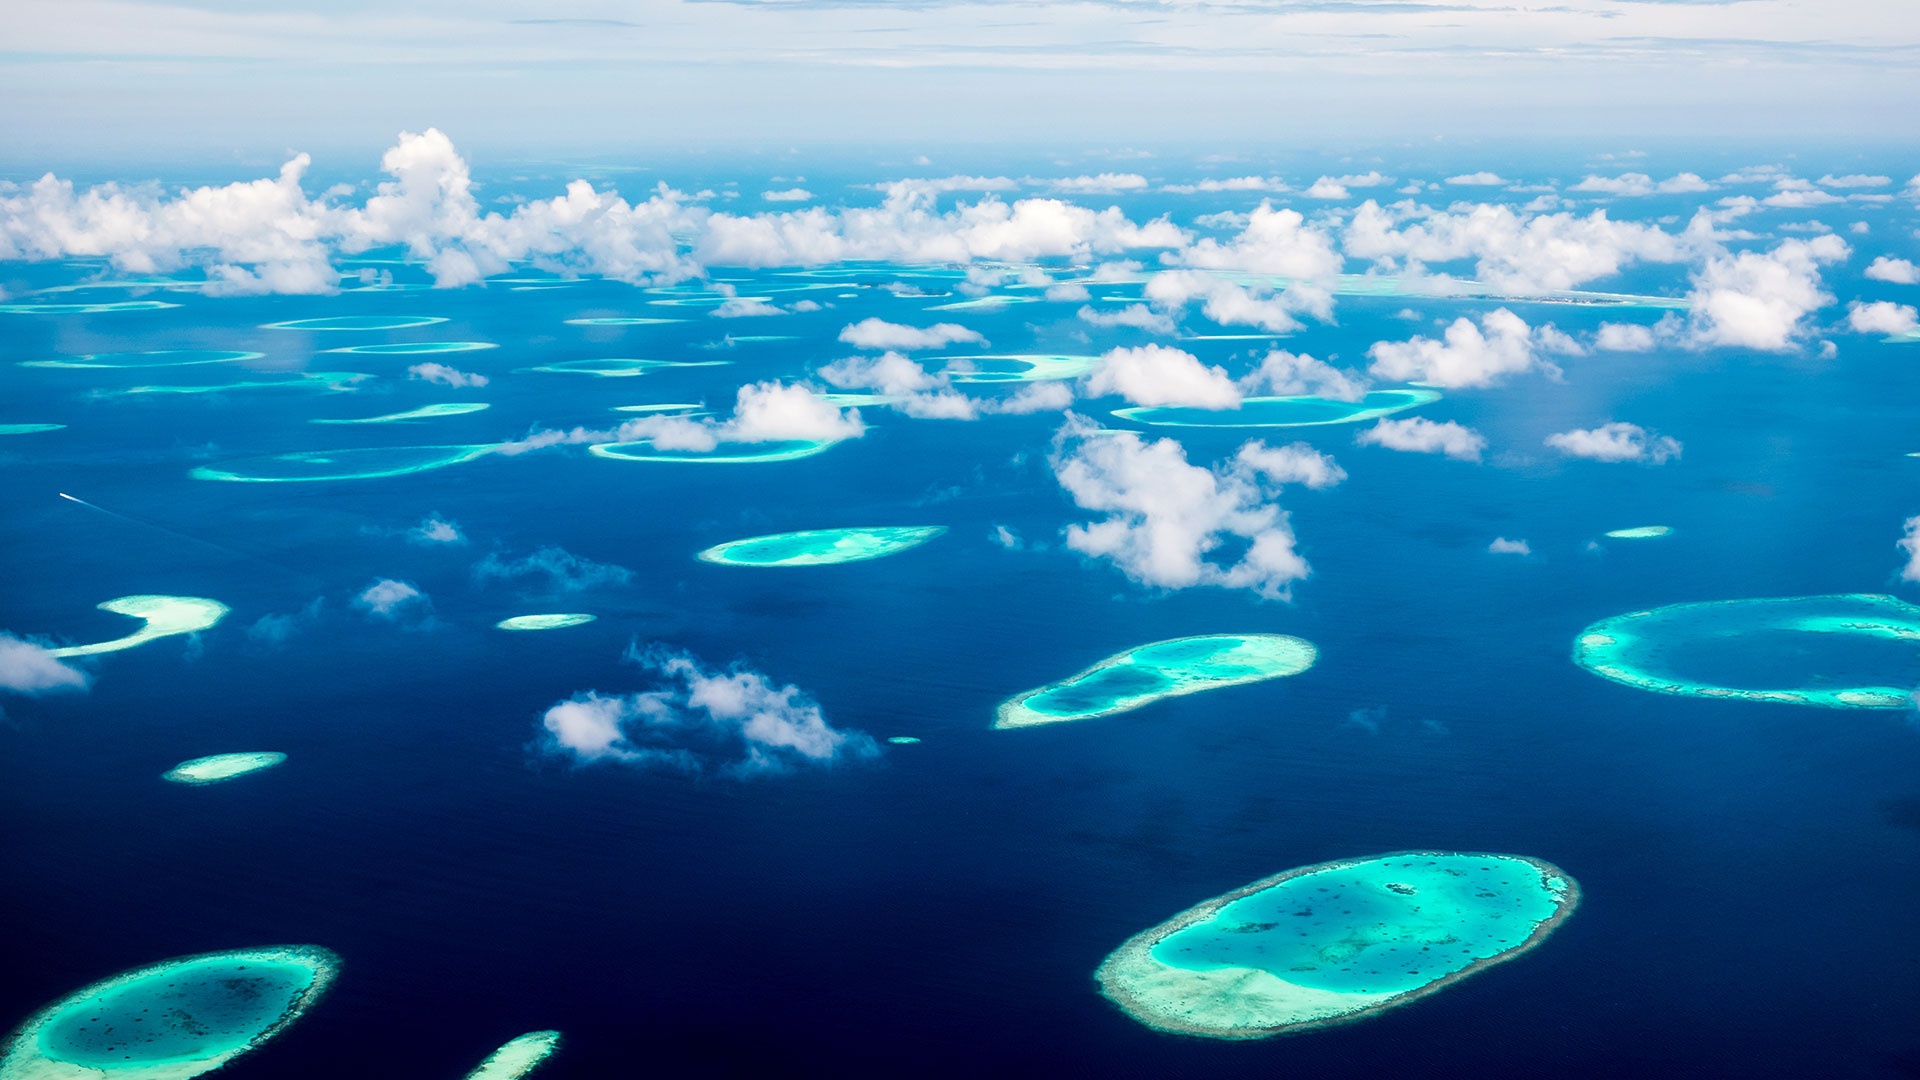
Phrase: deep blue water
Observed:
(1749, 871)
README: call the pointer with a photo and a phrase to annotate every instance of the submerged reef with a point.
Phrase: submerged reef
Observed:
(519, 1057)
(369, 463)
(620, 320)
(1017, 367)
(152, 359)
(172, 1020)
(558, 621)
(1282, 412)
(162, 616)
(329, 381)
(1642, 532)
(1163, 669)
(1335, 942)
(1829, 651)
(28, 429)
(619, 367)
(726, 453)
(215, 768)
(424, 412)
(84, 309)
(821, 547)
(358, 322)
(416, 348)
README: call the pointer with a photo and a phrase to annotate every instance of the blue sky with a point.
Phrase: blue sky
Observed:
(92, 79)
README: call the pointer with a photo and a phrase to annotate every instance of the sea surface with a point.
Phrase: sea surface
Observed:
(1749, 871)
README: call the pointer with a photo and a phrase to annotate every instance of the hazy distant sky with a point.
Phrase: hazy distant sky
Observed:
(97, 78)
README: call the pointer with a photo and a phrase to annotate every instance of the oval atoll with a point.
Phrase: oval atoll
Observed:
(216, 768)
(416, 348)
(1284, 412)
(160, 616)
(424, 412)
(1335, 942)
(172, 1020)
(555, 621)
(619, 367)
(1641, 532)
(367, 463)
(358, 322)
(519, 1057)
(1163, 669)
(85, 309)
(1848, 651)
(821, 547)
(725, 453)
(152, 359)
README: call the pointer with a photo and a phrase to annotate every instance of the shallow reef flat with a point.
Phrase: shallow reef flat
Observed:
(151, 359)
(171, 1020)
(1335, 942)
(333, 382)
(358, 322)
(1641, 532)
(368, 463)
(1283, 412)
(29, 429)
(1163, 669)
(618, 367)
(726, 453)
(620, 320)
(215, 768)
(161, 616)
(555, 621)
(821, 547)
(1018, 367)
(424, 412)
(85, 309)
(416, 348)
(519, 1057)
(1849, 651)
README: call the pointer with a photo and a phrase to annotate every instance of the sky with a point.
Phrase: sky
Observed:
(98, 80)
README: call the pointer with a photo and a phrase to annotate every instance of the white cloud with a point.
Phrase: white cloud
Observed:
(1503, 546)
(1854, 180)
(943, 184)
(917, 392)
(1757, 300)
(1639, 184)
(1231, 304)
(1274, 242)
(1068, 292)
(762, 412)
(874, 333)
(445, 375)
(1894, 271)
(1513, 250)
(788, 195)
(436, 530)
(1137, 316)
(734, 723)
(558, 569)
(390, 599)
(1337, 187)
(1036, 397)
(1468, 356)
(744, 307)
(1236, 183)
(1795, 194)
(1286, 374)
(1624, 337)
(1882, 317)
(1166, 518)
(27, 668)
(1007, 538)
(1155, 375)
(1477, 179)
(1910, 543)
(1103, 184)
(1616, 441)
(1422, 436)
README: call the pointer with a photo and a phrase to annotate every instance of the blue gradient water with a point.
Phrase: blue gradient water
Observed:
(1749, 870)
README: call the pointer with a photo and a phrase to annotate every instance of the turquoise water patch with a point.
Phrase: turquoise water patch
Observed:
(1335, 942)
(416, 348)
(28, 429)
(172, 1020)
(1163, 669)
(1282, 412)
(160, 616)
(708, 301)
(621, 320)
(216, 768)
(664, 407)
(903, 740)
(334, 382)
(424, 412)
(619, 367)
(985, 302)
(363, 464)
(519, 1057)
(558, 621)
(85, 309)
(726, 453)
(357, 322)
(1018, 367)
(821, 547)
(1850, 651)
(1641, 532)
(154, 359)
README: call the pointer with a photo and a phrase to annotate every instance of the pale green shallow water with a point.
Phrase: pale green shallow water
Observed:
(1163, 669)
(215, 768)
(821, 547)
(152, 359)
(29, 429)
(1641, 532)
(416, 348)
(1018, 367)
(621, 320)
(519, 1057)
(1279, 412)
(424, 412)
(85, 309)
(370, 463)
(172, 1020)
(619, 367)
(328, 381)
(727, 453)
(1335, 942)
(556, 621)
(160, 616)
(358, 322)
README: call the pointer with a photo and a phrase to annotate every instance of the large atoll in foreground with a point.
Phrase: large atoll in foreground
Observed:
(162, 616)
(172, 1020)
(519, 1057)
(1161, 670)
(1284, 412)
(217, 768)
(821, 547)
(1852, 651)
(1335, 942)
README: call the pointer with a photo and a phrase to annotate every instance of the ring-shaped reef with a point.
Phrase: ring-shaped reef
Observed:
(1641, 532)
(1283, 412)
(1848, 651)
(707, 301)
(674, 407)
(520, 1056)
(367, 463)
(1335, 942)
(85, 309)
(217, 768)
(28, 429)
(415, 348)
(619, 367)
(330, 381)
(1018, 367)
(160, 616)
(821, 547)
(1163, 669)
(358, 322)
(621, 320)
(556, 621)
(152, 359)
(725, 453)
(424, 412)
(175, 1019)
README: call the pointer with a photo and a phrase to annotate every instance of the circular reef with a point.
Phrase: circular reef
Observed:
(1284, 412)
(1335, 942)
(172, 1020)
(1163, 669)
(1850, 651)
(821, 547)
(216, 768)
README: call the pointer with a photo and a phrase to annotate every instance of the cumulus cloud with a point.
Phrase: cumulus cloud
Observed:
(1274, 242)
(1477, 179)
(1624, 337)
(1337, 187)
(735, 723)
(1231, 304)
(1175, 525)
(445, 375)
(274, 630)
(1503, 546)
(27, 668)
(1910, 543)
(1102, 184)
(1513, 250)
(770, 411)
(1758, 300)
(795, 194)
(874, 333)
(1422, 436)
(1854, 180)
(1467, 355)
(1287, 374)
(1135, 316)
(391, 600)
(1892, 270)
(1234, 183)
(436, 530)
(1156, 375)
(744, 307)
(1882, 317)
(1616, 441)
(555, 568)
(1638, 184)
(917, 392)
